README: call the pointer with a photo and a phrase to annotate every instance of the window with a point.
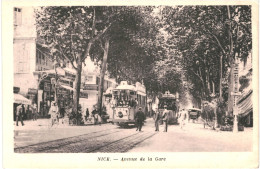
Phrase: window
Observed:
(23, 59)
(37, 56)
(17, 16)
(43, 59)
(40, 58)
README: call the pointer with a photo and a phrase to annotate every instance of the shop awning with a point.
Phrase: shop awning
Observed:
(245, 104)
(19, 99)
(59, 70)
(72, 71)
(67, 87)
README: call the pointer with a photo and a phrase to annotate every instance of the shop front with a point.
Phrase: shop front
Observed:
(19, 99)
(63, 87)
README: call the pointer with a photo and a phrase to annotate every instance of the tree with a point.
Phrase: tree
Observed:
(123, 45)
(69, 33)
(209, 38)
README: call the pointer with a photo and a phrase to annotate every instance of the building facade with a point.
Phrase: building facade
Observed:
(34, 69)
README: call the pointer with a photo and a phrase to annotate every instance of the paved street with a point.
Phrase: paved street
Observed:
(36, 137)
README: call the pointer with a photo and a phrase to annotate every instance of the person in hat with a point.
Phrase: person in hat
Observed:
(34, 111)
(19, 114)
(139, 118)
(165, 117)
(94, 114)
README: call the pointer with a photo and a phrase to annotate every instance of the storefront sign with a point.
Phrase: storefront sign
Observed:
(65, 83)
(32, 91)
(90, 87)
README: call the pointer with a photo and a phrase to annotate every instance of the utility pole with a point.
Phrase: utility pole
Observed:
(235, 93)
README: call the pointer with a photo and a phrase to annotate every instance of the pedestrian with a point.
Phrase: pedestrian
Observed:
(79, 115)
(34, 111)
(99, 119)
(165, 118)
(135, 102)
(54, 112)
(139, 118)
(87, 114)
(19, 114)
(62, 112)
(182, 117)
(94, 114)
(157, 119)
(206, 114)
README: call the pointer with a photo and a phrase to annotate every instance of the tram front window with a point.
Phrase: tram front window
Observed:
(168, 103)
(121, 98)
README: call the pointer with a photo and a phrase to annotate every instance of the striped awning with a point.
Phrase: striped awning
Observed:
(19, 99)
(245, 104)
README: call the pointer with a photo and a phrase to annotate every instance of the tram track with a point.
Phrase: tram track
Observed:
(91, 144)
(114, 141)
(124, 144)
(56, 144)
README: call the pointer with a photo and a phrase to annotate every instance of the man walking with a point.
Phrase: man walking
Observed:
(206, 114)
(19, 114)
(34, 111)
(139, 118)
(95, 114)
(165, 118)
(157, 119)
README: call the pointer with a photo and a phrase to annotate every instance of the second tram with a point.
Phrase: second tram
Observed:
(171, 101)
(126, 101)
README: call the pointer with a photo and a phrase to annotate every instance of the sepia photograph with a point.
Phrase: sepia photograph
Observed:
(132, 79)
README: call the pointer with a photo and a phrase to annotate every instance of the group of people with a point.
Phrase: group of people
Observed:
(95, 115)
(124, 102)
(164, 117)
(139, 118)
(182, 115)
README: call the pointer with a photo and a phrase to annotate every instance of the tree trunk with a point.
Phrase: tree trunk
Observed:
(102, 74)
(220, 78)
(207, 85)
(76, 93)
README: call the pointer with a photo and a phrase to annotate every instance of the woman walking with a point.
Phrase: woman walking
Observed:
(157, 119)
(54, 112)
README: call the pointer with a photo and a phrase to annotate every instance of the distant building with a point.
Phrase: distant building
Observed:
(34, 69)
(89, 85)
(24, 47)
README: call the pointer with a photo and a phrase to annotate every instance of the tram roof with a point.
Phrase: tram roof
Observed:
(126, 87)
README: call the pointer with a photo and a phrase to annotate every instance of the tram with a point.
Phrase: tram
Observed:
(172, 103)
(126, 101)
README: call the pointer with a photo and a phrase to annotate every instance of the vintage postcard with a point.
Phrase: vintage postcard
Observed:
(134, 84)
